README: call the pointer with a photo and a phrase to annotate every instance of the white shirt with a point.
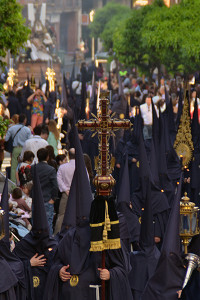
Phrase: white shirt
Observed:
(146, 112)
(77, 87)
(34, 144)
(65, 175)
(162, 109)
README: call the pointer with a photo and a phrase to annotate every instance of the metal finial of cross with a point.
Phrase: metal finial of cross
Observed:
(104, 125)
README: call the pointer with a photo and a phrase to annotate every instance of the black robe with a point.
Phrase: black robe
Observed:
(85, 264)
(35, 276)
(8, 281)
(73, 250)
(160, 208)
(118, 263)
(17, 268)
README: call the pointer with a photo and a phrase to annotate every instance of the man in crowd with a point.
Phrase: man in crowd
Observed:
(20, 133)
(48, 182)
(64, 177)
(37, 141)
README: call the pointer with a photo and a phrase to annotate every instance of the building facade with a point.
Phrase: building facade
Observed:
(65, 17)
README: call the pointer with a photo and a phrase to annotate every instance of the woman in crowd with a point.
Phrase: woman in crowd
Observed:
(37, 100)
(53, 138)
(51, 160)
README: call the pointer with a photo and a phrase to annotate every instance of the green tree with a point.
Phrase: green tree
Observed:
(104, 15)
(13, 32)
(174, 34)
(107, 36)
(128, 44)
(156, 35)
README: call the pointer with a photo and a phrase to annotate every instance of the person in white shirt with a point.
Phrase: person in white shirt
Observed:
(37, 141)
(159, 103)
(64, 178)
(146, 113)
(77, 88)
(20, 134)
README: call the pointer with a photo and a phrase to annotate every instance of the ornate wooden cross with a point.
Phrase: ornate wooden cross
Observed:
(104, 125)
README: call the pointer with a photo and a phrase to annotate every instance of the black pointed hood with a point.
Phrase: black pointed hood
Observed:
(159, 199)
(147, 229)
(155, 126)
(195, 128)
(109, 82)
(4, 205)
(171, 123)
(64, 99)
(74, 247)
(154, 164)
(64, 95)
(171, 242)
(162, 149)
(37, 240)
(127, 112)
(137, 127)
(144, 169)
(93, 99)
(144, 262)
(169, 275)
(123, 205)
(47, 88)
(14, 262)
(167, 100)
(80, 195)
(180, 108)
(39, 218)
(165, 182)
(83, 92)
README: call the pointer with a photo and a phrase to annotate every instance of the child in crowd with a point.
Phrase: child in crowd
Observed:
(20, 206)
(24, 169)
(26, 189)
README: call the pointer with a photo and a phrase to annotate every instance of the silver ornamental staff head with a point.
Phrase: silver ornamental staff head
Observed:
(193, 263)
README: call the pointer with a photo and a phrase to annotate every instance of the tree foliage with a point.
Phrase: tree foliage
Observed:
(173, 34)
(107, 20)
(155, 35)
(13, 32)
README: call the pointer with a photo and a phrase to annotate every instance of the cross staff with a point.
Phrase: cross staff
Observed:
(104, 125)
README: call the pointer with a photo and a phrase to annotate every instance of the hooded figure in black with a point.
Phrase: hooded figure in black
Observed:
(119, 102)
(144, 262)
(49, 106)
(160, 204)
(36, 249)
(195, 169)
(131, 221)
(73, 259)
(93, 98)
(133, 153)
(66, 103)
(169, 274)
(12, 280)
(73, 256)
(169, 131)
(165, 181)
